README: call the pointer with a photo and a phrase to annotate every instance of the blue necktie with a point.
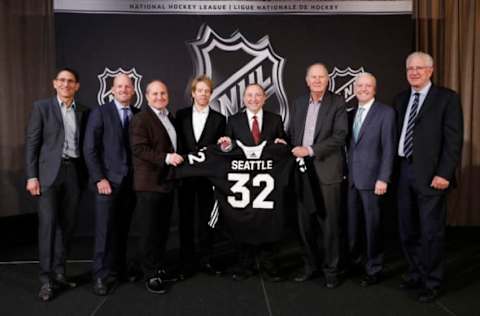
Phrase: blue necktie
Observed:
(408, 141)
(357, 124)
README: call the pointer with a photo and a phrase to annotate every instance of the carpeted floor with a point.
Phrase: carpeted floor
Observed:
(207, 295)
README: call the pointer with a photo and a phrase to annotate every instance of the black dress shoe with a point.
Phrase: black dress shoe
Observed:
(370, 280)
(332, 282)
(428, 295)
(46, 292)
(168, 276)
(155, 285)
(410, 285)
(100, 287)
(272, 275)
(240, 274)
(304, 275)
(210, 269)
(60, 281)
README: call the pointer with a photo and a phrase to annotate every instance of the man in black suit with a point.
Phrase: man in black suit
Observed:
(251, 127)
(53, 166)
(371, 152)
(109, 162)
(154, 144)
(198, 126)
(318, 129)
(430, 123)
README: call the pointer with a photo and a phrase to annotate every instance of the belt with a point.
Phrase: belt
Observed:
(69, 159)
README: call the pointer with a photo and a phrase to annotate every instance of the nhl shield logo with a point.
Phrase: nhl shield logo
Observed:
(106, 81)
(341, 81)
(233, 63)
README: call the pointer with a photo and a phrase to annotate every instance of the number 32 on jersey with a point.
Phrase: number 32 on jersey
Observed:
(240, 187)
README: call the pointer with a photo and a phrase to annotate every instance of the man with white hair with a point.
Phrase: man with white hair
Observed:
(371, 152)
(430, 123)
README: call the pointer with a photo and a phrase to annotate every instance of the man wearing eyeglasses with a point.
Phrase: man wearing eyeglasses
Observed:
(430, 125)
(53, 167)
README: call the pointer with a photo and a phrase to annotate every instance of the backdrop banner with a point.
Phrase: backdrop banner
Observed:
(236, 43)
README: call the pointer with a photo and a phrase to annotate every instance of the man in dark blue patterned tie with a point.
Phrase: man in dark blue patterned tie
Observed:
(430, 124)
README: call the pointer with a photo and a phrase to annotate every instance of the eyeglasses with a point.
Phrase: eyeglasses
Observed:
(64, 80)
(417, 68)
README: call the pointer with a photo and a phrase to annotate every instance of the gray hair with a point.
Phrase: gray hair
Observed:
(426, 58)
(366, 74)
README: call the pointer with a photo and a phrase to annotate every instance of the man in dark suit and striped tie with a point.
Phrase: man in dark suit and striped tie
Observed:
(430, 126)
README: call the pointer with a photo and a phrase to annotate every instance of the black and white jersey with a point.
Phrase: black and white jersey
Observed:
(253, 186)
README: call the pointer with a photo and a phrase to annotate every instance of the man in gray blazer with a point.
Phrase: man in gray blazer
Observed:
(371, 153)
(53, 169)
(318, 130)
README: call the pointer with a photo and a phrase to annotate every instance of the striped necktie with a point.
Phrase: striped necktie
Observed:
(408, 141)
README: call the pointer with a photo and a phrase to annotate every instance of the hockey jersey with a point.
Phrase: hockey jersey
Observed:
(254, 186)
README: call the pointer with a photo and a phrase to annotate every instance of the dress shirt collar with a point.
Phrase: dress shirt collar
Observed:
(367, 105)
(250, 115)
(158, 112)
(204, 110)
(62, 104)
(120, 106)
(423, 92)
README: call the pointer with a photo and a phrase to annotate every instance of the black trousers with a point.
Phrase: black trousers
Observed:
(113, 215)
(197, 190)
(364, 224)
(322, 230)
(57, 215)
(154, 210)
(422, 221)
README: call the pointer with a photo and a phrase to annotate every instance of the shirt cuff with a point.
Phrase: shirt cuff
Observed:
(32, 179)
(310, 151)
(167, 159)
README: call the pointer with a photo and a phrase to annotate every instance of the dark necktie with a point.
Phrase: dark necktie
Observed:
(125, 119)
(408, 141)
(255, 130)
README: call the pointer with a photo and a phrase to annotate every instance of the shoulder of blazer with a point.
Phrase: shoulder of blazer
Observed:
(302, 100)
(217, 114)
(183, 112)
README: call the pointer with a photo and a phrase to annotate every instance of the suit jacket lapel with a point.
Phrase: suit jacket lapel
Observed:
(245, 126)
(208, 122)
(57, 112)
(367, 121)
(322, 112)
(301, 118)
(427, 103)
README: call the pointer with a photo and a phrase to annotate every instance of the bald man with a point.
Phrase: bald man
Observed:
(318, 130)
(108, 158)
(154, 148)
(371, 152)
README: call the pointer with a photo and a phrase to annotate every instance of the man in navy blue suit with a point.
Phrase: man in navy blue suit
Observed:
(430, 122)
(108, 158)
(371, 154)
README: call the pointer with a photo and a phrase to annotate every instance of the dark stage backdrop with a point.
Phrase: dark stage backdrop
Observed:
(273, 50)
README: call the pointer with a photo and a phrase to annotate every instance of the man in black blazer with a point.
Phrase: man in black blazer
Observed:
(198, 126)
(371, 153)
(318, 130)
(109, 162)
(251, 127)
(154, 143)
(430, 123)
(54, 168)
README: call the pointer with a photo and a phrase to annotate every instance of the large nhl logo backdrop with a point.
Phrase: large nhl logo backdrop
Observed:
(105, 95)
(233, 63)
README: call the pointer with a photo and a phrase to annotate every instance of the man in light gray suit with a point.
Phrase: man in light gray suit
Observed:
(318, 130)
(370, 159)
(54, 169)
